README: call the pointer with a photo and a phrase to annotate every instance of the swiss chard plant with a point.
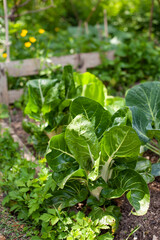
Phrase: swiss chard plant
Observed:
(49, 101)
(99, 153)
(144, 102)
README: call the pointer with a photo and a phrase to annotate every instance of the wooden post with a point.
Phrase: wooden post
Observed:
(6, 29)
(105, 24)
(3, 86)
(86, 27)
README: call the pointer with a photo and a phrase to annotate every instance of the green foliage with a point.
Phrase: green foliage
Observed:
(3, 111)
(143, 101)
(36, 198)
(135, 60)
(90, 160)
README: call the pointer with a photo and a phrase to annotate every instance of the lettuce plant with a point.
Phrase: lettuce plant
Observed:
(101, 152)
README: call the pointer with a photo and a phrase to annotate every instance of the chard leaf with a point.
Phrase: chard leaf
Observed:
(110, 216)
(67, 78)
(120, 141)
(59, 157)
(80, 173)
(122, 117)
(94, 112)
(82, 141)
(73, 192)
(91, 87)
(137, 190)
(44, 97)
(113, 104)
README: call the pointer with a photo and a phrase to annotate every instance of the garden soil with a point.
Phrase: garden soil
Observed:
(149, 224)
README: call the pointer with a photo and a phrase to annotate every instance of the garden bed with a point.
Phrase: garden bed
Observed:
(149, 223)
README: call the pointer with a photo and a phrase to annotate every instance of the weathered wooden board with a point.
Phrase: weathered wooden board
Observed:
(29, 67)
(3, 86)
(14, 95)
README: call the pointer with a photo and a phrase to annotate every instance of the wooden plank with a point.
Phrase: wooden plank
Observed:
(14, 95)
(28, 67)
(3, 86)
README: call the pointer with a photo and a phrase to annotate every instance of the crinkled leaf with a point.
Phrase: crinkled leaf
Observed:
(137, 190)
(82, 141)
(94, 112)
(44, 95)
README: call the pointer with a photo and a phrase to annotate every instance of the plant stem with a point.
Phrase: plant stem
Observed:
(153, 149)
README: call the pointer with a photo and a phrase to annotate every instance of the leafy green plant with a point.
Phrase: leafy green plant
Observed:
(136, 60)
(49, 101)
(92, 152)
(32, 197)
(143, 101)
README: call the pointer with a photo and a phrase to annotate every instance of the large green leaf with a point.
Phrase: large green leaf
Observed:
(113, 104)
(137, 190)
(144, 103)
(146, 97)
(44, 96)
(140, 124)
(67, 78)
(82, 141)
(120, 141)
(91, 87)
(59, 157)
(94, 112)
(73, 193)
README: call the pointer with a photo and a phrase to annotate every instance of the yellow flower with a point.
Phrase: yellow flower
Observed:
(27, 44)
(32, 39)
(24, 32)
(41, 31)
(4, 55)
(56, 29)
